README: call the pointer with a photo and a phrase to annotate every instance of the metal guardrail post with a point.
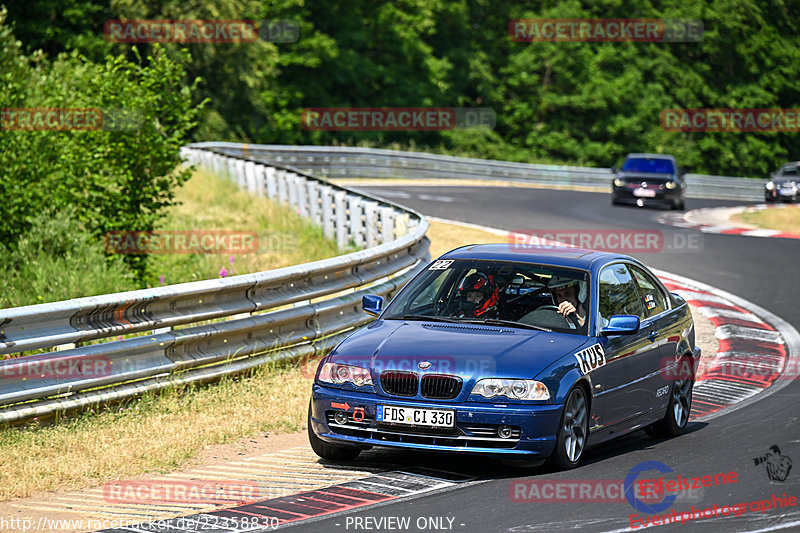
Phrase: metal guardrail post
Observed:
(387, 224)
(272, 183)
(260, 180)
(340, 218)
(291, 181)
(313, 202)
(326, 193)
(283, 194)
(239, 173)
(371, 223)
(356, 214)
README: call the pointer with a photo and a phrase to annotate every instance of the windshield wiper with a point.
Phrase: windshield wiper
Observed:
(426, 317)
(498, 322)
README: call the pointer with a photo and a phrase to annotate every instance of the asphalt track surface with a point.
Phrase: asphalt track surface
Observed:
(761, 270)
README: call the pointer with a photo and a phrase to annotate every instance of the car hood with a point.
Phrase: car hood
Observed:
(468, 350)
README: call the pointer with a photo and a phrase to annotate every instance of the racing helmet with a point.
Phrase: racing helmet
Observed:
(485, 285)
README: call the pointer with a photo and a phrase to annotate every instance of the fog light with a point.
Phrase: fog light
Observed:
(340, 417)
(504, 432)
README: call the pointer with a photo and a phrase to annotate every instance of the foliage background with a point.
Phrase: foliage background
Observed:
(579, 103)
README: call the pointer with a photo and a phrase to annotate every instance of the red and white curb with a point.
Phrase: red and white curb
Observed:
(716, 220)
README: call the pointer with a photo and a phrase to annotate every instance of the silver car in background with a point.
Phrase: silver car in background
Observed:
(783, 184)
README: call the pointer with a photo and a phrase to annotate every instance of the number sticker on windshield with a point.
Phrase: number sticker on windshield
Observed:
(591, 358)
(441, 264)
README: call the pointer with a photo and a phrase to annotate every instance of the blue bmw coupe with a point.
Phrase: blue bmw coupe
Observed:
(524, 355)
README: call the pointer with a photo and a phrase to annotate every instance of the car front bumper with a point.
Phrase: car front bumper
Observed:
(662, 196)
(786, 195)
(534, 427)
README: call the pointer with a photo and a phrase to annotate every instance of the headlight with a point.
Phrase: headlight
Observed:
(338, 374)
(514, 389)
(671, 185)
(770, 185)
(619, 182)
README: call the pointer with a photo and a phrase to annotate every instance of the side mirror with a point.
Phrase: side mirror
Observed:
(614, 170)
(372, 304)
(621, 325)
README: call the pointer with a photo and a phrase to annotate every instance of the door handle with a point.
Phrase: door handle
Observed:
(652, 336)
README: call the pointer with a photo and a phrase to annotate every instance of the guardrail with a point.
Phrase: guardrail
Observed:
(254, 318)
(346, 162)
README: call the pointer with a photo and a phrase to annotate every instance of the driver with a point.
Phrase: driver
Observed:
(478, 295)
(566, 293)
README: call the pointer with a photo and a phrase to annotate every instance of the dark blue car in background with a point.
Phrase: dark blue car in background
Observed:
(647, 179)
(522, 355)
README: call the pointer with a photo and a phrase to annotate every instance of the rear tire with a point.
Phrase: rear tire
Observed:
(679, 407)
(329, 451)
(573, 431)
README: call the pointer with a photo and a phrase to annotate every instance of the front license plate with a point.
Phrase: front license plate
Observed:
(644, 193)
(417, 417)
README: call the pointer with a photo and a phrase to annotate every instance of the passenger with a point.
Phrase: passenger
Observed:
(566, 295)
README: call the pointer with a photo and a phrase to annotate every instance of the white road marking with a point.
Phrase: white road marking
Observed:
(712, 312)
(727, 331)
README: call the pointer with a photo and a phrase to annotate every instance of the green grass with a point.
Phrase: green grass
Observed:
(782, 219)
(212, 203)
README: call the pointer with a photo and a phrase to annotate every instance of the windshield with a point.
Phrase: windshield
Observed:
(529, 295)
(641, 164)
(789, 173)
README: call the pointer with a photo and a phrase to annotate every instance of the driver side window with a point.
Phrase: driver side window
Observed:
(618, 293)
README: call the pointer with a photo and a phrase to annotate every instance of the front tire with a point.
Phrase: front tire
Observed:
(573, 431)
(329, 451)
